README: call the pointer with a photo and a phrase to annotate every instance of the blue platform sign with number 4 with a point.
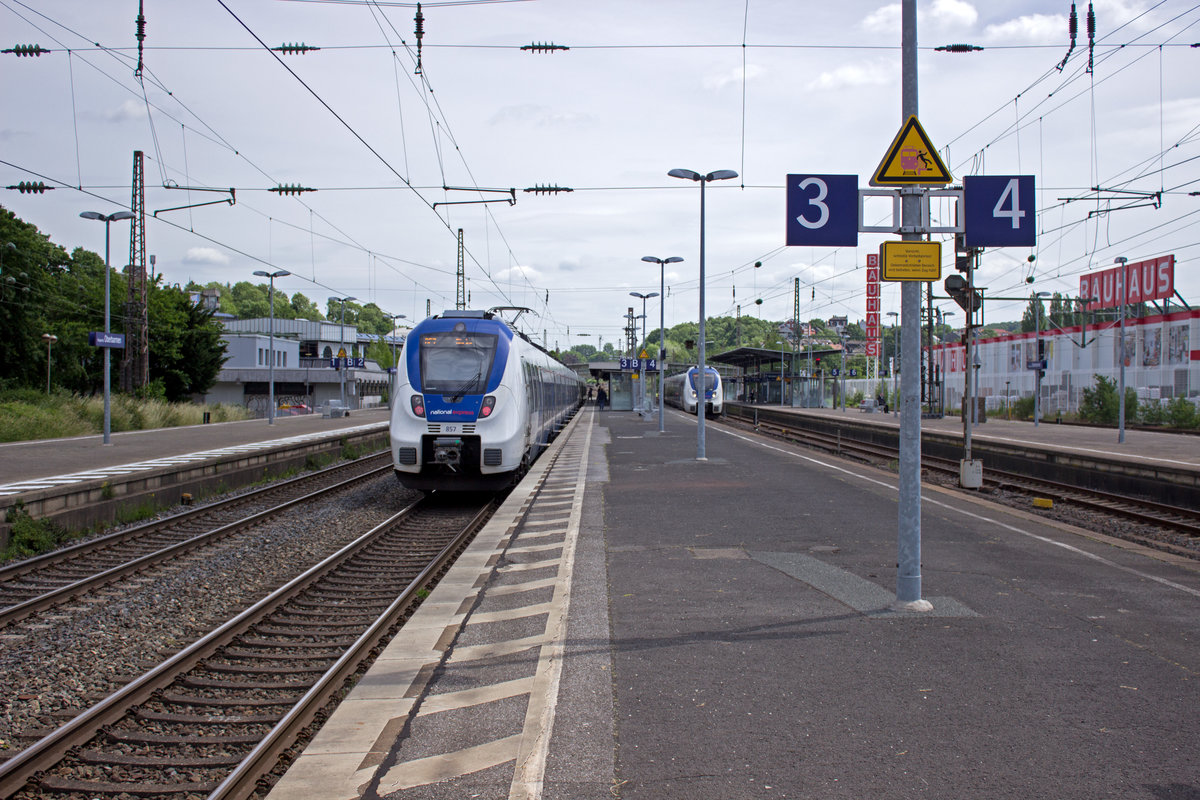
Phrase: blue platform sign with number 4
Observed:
(822, 210)
(999, 211)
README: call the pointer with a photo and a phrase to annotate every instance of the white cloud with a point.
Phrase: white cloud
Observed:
(538, 116)
(944, 14)
(853, 75)
(885, 19)
(205, 255)
(718, 82)
(130, 110)
(1032, 29)
(954, 13)
(518, 273)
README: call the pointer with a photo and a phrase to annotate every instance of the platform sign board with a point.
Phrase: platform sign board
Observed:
(911, 261)
(102, 339)
(911, 160)
(999, 211)
(639, 364)
(822, 210)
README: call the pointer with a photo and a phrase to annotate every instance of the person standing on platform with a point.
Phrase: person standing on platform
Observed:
(601, 398)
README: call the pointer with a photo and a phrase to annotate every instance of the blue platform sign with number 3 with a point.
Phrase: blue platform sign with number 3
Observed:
(999, 211)
(822, 210)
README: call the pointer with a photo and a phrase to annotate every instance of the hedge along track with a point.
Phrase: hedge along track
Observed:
(241, 694)
(31, 586)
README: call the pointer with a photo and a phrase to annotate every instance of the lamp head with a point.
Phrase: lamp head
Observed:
(720, 175)
(686, 174)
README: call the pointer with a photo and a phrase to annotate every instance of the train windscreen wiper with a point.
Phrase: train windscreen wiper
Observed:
(470, 384)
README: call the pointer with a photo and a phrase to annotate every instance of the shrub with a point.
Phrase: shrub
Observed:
(31, 537)
(1181, 413)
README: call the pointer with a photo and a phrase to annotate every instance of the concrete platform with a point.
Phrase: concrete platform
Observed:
(639, 624)
(78, 482)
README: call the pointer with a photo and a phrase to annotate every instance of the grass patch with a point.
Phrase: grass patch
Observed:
(26, 414)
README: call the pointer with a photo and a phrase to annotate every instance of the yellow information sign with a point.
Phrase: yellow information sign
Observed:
(911, 261)
(911, 160)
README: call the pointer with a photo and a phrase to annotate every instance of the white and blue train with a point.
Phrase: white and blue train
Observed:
(475, 403)
(680, 391)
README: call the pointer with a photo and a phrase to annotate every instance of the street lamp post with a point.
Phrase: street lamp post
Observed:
(945, 316)
(644, 298)
(845, 341)
(718, 175)
(342, 342)
(106, 219)
(1120, 260)
(895, 315)
(50, 339)
(271, 339)
(395, 363)
(662, 332)
(1037, 356)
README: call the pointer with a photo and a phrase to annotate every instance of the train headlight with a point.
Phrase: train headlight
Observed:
(489, 404)
(418, 405)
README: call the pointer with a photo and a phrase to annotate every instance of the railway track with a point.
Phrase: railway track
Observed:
(214, 717)
(1145, 512)
(37, 584)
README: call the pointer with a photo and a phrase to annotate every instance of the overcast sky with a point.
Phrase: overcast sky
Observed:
(762, 87)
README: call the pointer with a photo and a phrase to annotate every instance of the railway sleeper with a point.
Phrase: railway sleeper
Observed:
(211, 683)
(124, 759)
(53, 783)
(260, 702)
(126, 736)
(253, 669)
(207, 719)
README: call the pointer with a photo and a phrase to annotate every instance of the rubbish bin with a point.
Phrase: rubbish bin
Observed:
(207, 417)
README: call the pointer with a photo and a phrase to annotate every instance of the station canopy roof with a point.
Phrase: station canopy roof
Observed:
(752, 358)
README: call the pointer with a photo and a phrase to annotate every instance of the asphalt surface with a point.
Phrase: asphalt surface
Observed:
(23, 461)
(754, 655)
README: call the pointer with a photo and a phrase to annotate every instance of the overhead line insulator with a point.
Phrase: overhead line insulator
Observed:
(289, 49)
(31, 187)
(541, 47)
(958, 48)
(539, 189)
(25, 50)
(290, 189)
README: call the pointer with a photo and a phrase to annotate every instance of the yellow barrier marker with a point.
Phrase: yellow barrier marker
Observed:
(1043, 502)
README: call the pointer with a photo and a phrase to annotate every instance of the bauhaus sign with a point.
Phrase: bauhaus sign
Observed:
(1152, 279)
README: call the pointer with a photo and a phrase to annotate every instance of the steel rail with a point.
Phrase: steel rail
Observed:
(18, 569)
(1177, 518)
(64, 593)
(242, 782)
(16, 772)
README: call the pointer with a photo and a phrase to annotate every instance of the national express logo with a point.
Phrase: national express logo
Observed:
(450, 412)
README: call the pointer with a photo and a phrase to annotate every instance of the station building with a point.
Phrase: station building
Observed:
(306, 372)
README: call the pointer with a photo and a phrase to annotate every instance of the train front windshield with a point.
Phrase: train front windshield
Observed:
(710, 382)
(456, 363)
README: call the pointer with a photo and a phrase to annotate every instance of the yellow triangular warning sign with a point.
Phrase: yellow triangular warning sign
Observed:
(912, 159)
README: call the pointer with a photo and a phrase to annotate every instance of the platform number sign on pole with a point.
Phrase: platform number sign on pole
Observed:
(822, 210)
(999, 211)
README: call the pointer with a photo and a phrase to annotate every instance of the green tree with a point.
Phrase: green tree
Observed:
(372, 320)
(186, 351)
(249, 300)
(333, 311)
(1034, 310)
(303, 308)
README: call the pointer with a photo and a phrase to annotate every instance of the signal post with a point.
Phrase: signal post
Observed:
(827, 211)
